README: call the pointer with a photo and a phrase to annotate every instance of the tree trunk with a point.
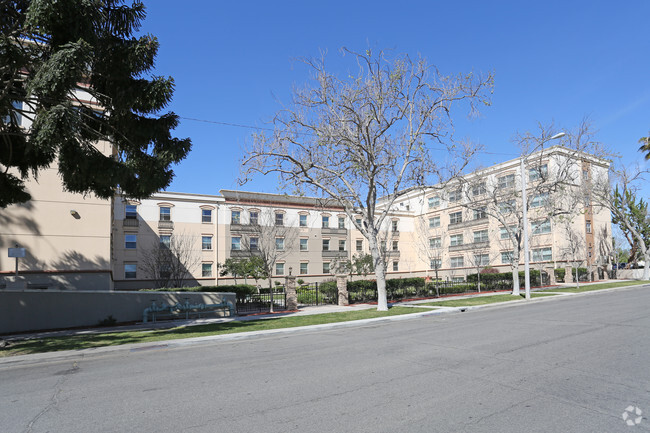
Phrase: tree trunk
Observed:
(380, 274)
(515, 280)
(271, 294)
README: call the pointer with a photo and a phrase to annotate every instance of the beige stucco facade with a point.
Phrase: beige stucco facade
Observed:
(76, 242)
(66, 237)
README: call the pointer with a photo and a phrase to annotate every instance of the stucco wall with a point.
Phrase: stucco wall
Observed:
(39, 310)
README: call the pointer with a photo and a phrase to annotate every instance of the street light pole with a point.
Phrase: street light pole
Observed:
(524, 198)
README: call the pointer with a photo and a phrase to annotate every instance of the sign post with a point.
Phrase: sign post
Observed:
(17, 253)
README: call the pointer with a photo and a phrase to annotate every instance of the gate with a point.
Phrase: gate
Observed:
(261, 302)
(313, 294)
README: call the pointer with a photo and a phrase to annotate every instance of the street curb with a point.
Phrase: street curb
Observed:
(170, 344)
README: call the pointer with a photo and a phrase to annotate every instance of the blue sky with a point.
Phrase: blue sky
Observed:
(553, 62)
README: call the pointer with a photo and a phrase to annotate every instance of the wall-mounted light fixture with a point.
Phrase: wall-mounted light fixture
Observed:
(75, 214)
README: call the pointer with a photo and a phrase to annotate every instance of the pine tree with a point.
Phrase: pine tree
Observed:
(51, 52)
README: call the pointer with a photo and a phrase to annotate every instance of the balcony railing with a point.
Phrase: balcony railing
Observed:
(333, 231)
(130, 222)
(470, 246)
(244, 228)
(468, 223)
(392, 253)
(165, 225)
(335, 253)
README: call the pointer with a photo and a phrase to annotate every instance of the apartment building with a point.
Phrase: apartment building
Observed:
(446, 231)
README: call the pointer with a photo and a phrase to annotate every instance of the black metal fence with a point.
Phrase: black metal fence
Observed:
(261, 302)
(315, 294)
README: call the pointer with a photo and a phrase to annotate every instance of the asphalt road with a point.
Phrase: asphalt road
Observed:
(573, 365)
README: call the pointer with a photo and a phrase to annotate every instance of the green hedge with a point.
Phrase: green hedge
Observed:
(241, 290)
(501, 279)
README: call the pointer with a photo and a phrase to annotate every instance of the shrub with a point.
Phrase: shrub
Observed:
(559, 274)
(240, 290)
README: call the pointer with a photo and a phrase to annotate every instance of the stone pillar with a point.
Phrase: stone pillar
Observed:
(342, 285)
(605, 274)
(290, 290)
(551, 276)
(568, 274)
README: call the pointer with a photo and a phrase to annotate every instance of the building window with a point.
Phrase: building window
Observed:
(457, 279)
(455, 195)
(303, 244)
(165, 240)
(587, 200)
(394, 226)
(542, 254)
(395, 266)
(506, 207)
(279, 219)
(235, 217)
(325, 222)
(480, 213)
(279, 244)
(588, 226)
(359, 245)
(481, 259)
(504, 234)
(507, 257)
(326, 244)
(253, 218)
(130, 242)
(435, 263)
(279, 269)
(206, 242)
(539, 200)
(456, 217)
(206, 215)
(434, 202)
(359, 222)
(341, 245)
(435, 242)
(395, 246)
(303, 220)
(507, 181)
(130, 270)
(455, 240)
(326, 267)
(131, 212)
(457, 262)
(206, 269)
(303, 268)
(585, 174)
(539, 172)
(254, 244)
(541, 227)
(480, 236)
(382, 245)
(479, 189)
(165, 213)
(341, 222)
(434, 222)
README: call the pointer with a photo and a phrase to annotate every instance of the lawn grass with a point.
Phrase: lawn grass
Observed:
(591, 287)
(482, 300)
(86, 341)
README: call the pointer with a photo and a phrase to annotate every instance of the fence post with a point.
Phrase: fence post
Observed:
(568, 275)
(342, 286)
(551, 276)
(290, 293)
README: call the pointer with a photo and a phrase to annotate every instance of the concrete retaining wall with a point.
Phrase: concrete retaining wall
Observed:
(629, 274)
(32, 310)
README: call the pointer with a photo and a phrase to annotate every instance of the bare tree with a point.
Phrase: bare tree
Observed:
(554, 185)
(170, 261)
(429, 241)
(629, 212)
(270, 240)
(574, 252)
(479, 256)
(605, 247)
(366, 140)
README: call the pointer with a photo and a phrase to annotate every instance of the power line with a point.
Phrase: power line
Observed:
(239, 125)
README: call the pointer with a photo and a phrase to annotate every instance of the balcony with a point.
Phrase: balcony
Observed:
(334, 253)
(392, 253)
(394, 233)
(470, 246)
(130, 222)
(468, 223)
(333, 231)
(165, 225)
(246, 228)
